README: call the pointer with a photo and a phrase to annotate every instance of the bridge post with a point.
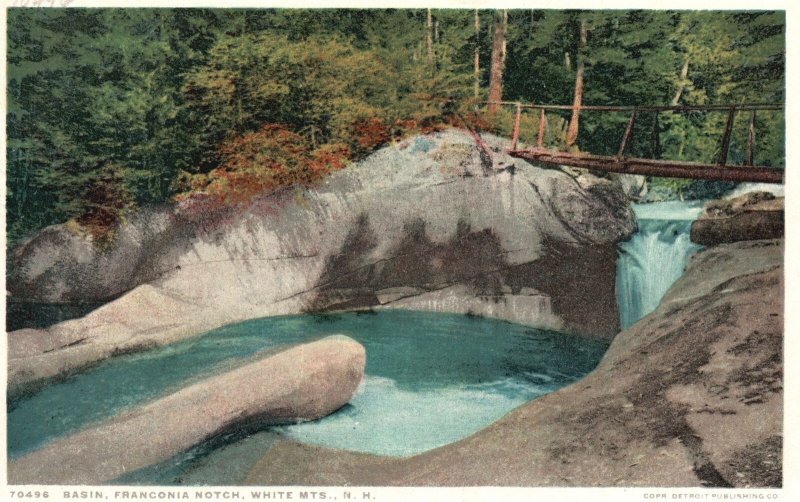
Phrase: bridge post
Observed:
(542, 124)
(627, 135)
(751, 138)
(726, 138)
(515, 134)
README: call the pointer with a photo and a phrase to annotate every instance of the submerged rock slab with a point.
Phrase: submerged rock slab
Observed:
(305, 382)
(410, 221)
(691, 395)
(752, 216)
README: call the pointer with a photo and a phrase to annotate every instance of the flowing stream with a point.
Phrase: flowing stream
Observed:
(655, 257)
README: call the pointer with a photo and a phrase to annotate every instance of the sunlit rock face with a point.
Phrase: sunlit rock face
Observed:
(428, 224)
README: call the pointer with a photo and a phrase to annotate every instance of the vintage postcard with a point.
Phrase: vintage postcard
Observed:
(269, 251)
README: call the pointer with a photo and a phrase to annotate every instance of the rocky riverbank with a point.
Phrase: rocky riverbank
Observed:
(751, 216)
(429, 223)
(691, 395)
(302, 383)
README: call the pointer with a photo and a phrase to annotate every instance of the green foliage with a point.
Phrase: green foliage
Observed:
(93, 91)
(321, 86)
(332, 101)
(674, 185)
(109, 109)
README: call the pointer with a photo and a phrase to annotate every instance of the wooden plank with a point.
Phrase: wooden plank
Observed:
(665, 108)
(649, 167)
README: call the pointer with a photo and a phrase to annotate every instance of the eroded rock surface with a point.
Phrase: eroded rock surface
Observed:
(691, 395)
(752, 216)
(305, 382)
(417, 221)
(57, 265)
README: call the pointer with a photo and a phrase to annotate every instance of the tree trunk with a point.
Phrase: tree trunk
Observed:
(684, 74)
(496, 71)
(505, 38)
(430, 38)
(477, 70)
(572, 130)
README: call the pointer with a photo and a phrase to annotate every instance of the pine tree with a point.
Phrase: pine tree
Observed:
(497, 62)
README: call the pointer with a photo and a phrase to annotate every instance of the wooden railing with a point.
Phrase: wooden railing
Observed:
(720, 170)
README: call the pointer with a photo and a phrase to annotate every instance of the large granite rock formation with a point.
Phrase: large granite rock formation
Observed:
(691, 395)
(426, 224)
(59, 265)
(305, 382)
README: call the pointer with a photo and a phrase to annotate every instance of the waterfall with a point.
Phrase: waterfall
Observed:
(654, 258)
(743, 188)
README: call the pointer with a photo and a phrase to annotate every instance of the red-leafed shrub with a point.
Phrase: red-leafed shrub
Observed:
(262, 161)
(404, 127)
(328, 158)
(370, 133)
(272, 147)
(472, 120)
(105, 201)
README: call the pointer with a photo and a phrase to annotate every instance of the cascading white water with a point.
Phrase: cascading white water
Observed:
(743, 188)
(654, 258)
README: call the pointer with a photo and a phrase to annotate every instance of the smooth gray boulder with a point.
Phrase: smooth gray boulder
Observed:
(420, 224)
(302, 383)
(59, 265)
(634, 185)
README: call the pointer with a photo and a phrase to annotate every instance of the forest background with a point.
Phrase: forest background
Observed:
(114, 109)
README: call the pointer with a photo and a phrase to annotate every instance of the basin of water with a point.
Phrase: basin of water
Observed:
(430, 379)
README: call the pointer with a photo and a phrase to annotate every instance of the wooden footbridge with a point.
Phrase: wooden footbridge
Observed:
(620, 163)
